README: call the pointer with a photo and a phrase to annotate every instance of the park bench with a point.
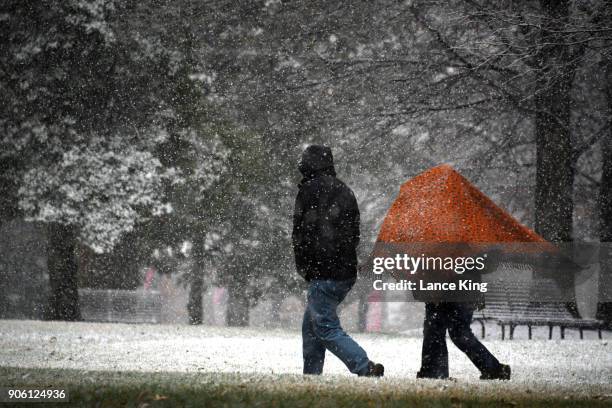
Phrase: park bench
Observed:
(120, 306)
(530, 303)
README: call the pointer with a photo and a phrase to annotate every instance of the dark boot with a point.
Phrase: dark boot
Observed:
(502, 373)
(374, 370)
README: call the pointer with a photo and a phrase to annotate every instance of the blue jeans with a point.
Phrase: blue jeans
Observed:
(321, 329)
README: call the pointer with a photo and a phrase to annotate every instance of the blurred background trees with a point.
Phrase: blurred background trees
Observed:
(159, 125)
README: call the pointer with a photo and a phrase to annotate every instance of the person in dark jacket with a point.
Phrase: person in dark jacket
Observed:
(325, 238)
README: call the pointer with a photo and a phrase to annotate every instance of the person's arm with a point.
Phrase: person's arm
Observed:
(354, 219)
(298, 237)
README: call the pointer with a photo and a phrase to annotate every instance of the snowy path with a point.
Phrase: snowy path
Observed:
(118, 347)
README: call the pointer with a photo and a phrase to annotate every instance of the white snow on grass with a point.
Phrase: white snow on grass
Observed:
(569, 364)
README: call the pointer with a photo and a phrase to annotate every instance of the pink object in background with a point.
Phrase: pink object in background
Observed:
(374, 316)
(218, 296)
(148, 278)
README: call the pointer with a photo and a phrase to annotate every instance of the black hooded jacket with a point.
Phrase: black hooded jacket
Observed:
(325, 221)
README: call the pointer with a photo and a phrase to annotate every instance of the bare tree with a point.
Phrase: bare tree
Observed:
(604, 306)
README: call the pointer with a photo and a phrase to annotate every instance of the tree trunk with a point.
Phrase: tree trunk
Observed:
(554, 191)
(237, 306)
(62, 266)
(274, 319)
(196, 290)
(604, 304)
(555, 167)
(362, 312)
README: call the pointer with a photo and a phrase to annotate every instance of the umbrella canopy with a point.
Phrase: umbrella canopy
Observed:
(441, 214)
(441, 206)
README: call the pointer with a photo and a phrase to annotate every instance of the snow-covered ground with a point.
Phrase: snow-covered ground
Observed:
(570, 363)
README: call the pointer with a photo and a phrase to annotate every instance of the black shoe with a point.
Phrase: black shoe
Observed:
(502, 373)
(374, 370)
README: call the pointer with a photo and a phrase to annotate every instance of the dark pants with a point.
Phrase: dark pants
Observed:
(456, 318)
(321, 329)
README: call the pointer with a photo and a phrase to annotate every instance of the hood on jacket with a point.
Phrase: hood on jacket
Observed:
(316, 160)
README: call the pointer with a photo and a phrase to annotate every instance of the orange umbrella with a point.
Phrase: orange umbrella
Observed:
(440, 213)
(441, 206)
